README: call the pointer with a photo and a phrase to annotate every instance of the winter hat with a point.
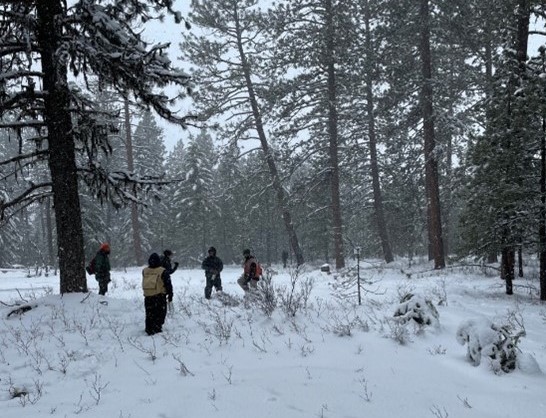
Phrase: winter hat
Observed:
(246, 252)
(154, 260)
(105, 247)
(168, 253)
(212, 250)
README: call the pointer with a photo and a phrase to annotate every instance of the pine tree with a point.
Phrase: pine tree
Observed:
(171, 229)
(360, 97)
(310, 56)
(57, 39)
(195, 198)
(234, 84)
(149, 162)
(98, 206)
(231, 178)
(506, 167)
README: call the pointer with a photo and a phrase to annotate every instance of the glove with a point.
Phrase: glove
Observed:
(169, 298)
(175, 264)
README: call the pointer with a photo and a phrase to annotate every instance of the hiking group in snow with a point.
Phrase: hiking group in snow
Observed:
(157, 285)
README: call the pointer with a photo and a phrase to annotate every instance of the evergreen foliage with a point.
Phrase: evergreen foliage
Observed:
(304, 109)
(42, 43)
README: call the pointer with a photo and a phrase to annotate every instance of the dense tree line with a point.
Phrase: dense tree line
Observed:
(402, 127)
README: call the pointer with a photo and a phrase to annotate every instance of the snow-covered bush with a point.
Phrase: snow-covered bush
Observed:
(266, 297)
(496, 342)
(295, 296)
(345, 318)
(398, 332)
(416, 309)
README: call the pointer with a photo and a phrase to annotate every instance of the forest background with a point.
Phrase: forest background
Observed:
(393, 128)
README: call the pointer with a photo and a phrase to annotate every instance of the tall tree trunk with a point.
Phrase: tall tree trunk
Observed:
(489, 86)
(431, 164)
(337, 224)
(135, 221)
(542, 221)
(520, 261)
(204, 237)
(508, 261)
(62, 158)
(448, 197)
(270, 161)
(49, 233)
(521, 42)
(377, 196)
(542, 224)
(522, 38)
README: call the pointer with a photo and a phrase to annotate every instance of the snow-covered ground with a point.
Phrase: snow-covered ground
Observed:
(317, 354)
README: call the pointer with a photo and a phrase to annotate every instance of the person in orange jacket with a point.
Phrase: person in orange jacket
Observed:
(251, 272)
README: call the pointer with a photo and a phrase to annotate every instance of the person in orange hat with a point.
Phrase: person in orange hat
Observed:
(102, 268)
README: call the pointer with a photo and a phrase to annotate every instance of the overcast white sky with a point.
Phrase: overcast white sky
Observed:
(168, 31)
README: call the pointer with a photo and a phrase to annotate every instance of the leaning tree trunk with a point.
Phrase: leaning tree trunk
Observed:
(62, 158)
(431, 164)
(337, 224)
(273, 172)
(377, 196)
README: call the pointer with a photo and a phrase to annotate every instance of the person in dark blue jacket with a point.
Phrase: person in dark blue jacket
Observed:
(166, 261)
(212, 266)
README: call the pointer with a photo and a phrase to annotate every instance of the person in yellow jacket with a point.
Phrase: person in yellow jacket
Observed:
(158, 290)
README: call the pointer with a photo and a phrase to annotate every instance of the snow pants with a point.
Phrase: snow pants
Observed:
(247, 284)
(213, 280)
(103, 284)
(156, 311)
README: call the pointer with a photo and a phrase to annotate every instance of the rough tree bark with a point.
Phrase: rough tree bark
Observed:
(542, 225)
(370, 100)
(431, 163)
(523, 14)
(337, 224)
(62, 158)
(49, 233)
